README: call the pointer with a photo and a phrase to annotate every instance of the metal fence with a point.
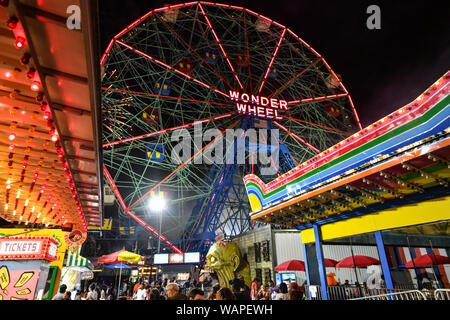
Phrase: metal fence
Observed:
(352, 292)
(441, 294)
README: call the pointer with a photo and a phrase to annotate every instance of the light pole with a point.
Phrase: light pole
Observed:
(158, 203)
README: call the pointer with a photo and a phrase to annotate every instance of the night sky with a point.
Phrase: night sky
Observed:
(382, 69)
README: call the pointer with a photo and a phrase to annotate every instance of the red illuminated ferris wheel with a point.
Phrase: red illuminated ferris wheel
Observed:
(224, 67)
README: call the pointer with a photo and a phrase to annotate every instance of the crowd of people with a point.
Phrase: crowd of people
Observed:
(170, 290)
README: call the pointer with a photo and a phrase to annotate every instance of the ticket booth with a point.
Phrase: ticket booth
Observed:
(25, 265)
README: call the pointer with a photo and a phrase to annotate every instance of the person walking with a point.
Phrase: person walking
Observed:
(136, 286)
(263, 293)
(254, 289)
(141, 293)
(92, 294)
(212, 294)
(196, 294)
(283, 292)
(173, 292)
(155, 295)
(110, 294)
(273, 289)
(61, 292)
(225, 294)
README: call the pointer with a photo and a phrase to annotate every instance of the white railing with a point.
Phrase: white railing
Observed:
(442, 294)
(404, 295)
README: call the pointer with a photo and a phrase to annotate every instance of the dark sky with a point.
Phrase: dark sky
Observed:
(382, 69)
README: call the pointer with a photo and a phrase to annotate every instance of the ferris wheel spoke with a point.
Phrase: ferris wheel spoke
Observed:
(297, 137)
(248, 52)
(170, 67)
(183, 164)
(135, 217)
(273, 59)
(319, 98)
(294, 77)
(167, 97)
(343, 87)
(315, 124)
(220, 45)
(167, 130)
(195, 52)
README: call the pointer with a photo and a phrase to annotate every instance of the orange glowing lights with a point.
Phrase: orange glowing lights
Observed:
(20, 42)
(35, 86)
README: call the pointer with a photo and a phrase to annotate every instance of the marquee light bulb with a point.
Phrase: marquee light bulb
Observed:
(12, 23)
(12, 136)
(35, 86)
(20, 42)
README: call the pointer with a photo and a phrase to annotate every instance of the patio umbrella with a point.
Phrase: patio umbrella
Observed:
(330, 263)
(427, 260)
(120, 256)
(291, 265)
(357, 261)
(118, 266)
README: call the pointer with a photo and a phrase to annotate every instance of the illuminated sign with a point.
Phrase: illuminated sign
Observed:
(192, 257)
(87, 275)
(259, 106)
(19, 248)
(161, 258)
(187, 257)
(176, 258)
(183, 276)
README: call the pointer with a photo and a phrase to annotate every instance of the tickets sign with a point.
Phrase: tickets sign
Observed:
(19, 248)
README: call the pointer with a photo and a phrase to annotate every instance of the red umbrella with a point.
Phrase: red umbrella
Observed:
(427, 260)
(291, 265)
(330, 263)
(359, 262)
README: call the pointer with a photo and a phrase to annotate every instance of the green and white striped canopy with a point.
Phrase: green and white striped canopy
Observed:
(74, 259)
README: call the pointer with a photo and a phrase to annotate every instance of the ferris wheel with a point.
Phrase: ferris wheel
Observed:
(218, 67)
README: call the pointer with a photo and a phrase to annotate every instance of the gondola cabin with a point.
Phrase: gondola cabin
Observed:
(211, 56)
(163, 86)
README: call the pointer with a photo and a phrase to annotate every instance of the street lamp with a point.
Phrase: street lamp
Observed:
(158, 203)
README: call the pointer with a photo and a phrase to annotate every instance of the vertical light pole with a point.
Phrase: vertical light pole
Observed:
(158, 203)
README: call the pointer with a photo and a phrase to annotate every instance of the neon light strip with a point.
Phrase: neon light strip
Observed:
(261, 16)
(358, 139)
(127, 210)
(207, 64)
(293, 78)
(182, 165)
(171, 68)
(149, 13)
(337, 167)
(166, 130)
(273, 59)
(318, 98)
(315, 124)
(102, 60)
(383, 166)
(220, 45)
(296, 137)
(168, 97)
